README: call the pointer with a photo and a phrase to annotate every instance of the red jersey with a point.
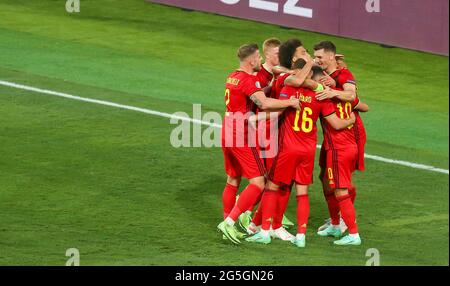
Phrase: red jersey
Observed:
(238, 89)
(339, 139)
(264, 77)
(298, 129)
(278, 85)
(343, 76)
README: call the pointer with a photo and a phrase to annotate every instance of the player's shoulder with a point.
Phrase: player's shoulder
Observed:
(283, 76)
(345, 72)
(265, 71)
(287, 91)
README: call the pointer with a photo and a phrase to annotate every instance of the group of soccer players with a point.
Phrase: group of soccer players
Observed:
(289, 92)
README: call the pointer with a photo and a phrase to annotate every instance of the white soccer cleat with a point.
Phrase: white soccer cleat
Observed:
(325, 225)
(253, 229)
(283, 234)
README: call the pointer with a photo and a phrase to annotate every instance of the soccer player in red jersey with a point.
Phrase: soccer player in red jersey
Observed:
(295, 159)
(342, 152)
(265, 77)
(242, 91)
(289, 52)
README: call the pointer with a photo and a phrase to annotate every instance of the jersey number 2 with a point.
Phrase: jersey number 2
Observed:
(227, 96)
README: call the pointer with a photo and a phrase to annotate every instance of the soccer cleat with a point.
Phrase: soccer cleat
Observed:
(259, 238)
(286, 222)
(299, 242)
(240, 235)
(253, 229)
(244, 220)
(229, 231)
(283, 234)
(330, 231)
(325, 225)
(348, 240)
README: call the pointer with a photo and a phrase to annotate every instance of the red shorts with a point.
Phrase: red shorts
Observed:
(243, 162)
(293, 165)
(360, 134)
(337, 167)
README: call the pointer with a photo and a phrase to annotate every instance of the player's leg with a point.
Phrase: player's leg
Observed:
(333, 227)
(303, 210)
(282, 172)
(268, 210)
(330, 176)
(229, 194)
(242, 161)
(245, 218)
(343, 179)
(256, 222)
(352, 193)
(348, 213)
(279, 230)
(246, 198)
(283, 200)
(323, 167)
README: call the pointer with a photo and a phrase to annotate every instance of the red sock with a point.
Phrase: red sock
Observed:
(252, 207)
(283, 200)
(302, 213)
(269, 204)
(333, 208)
(257, 218)
(348, 213)
(228, 199)
(246, 199)
(352, 193)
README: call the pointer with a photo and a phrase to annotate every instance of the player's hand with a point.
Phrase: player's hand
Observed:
(327, 80)
(352, 118)
(327, 93)
(295, 103)
(307, 58)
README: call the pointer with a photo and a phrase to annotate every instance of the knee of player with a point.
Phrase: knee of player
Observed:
(259, 182)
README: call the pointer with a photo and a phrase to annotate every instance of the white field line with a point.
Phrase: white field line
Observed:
(167, 115)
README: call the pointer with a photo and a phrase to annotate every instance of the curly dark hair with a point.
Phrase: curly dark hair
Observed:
(287, 51)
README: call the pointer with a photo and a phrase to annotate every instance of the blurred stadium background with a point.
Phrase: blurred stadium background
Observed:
(107, 181)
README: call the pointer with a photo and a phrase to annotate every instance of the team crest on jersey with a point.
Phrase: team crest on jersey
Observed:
(258, 85)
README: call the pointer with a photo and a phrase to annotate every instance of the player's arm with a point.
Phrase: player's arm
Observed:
(280, 70)
(362, 107)
(261, 116)
(313, 85)
(267, 103)
(338, 123)
(297, 79)
(327, 80)
(346, 95)
(267, 89)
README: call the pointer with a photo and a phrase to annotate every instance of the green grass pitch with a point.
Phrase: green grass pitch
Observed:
(108, 182)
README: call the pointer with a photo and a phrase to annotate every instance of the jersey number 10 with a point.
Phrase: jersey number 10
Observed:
(344, 112)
